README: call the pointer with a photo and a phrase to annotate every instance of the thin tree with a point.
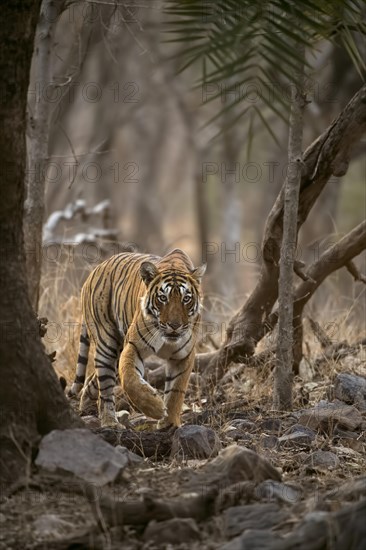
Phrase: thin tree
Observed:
(282, 390)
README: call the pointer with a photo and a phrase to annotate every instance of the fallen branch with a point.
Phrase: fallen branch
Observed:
(141, 512)
(155, 444)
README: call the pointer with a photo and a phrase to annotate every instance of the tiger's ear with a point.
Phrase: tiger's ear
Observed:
(199, 272)
(148, 272)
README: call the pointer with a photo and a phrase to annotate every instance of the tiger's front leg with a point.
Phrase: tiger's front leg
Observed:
(176, 383)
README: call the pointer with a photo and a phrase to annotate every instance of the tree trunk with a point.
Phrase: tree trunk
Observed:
(32, 402)
(282, 390)
(38, 148)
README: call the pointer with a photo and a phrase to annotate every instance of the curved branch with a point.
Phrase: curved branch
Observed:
(320, 161)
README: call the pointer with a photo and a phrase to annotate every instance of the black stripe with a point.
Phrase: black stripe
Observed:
(143, 339)
(184, 345)
(137, 351)
(174, 390)
(82, 360)
(108, 387)
(108, 399)
(79, 379)
(99, 363)
(84, 340)
(170, 378)
(105, 377)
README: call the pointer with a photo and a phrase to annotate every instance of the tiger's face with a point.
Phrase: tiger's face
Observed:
(173, 300)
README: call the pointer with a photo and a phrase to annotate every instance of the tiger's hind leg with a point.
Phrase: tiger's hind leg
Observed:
(84, 346)
(176, 382)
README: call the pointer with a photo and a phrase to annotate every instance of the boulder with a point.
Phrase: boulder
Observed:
(81, 453)
(191, 441)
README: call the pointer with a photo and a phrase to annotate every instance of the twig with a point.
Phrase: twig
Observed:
(352, 268)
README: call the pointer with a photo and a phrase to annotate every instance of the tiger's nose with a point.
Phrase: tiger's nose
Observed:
(174, 325)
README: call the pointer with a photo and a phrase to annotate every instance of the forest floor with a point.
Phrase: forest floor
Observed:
(319, 468)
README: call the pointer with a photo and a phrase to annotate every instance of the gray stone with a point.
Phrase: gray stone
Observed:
(272, 425)
(268, 441)
(294, 440)
(133, 458)
(252, 516)
(323, 460)
(52, 526)
(300, 428)
(191, 441)
(354, 489)
(234, 465)
(274, 490)
(351, 389)
(240, 424)
(326, 416)
(253, 539)
(82, 453)
(91, 422)
(172, 531)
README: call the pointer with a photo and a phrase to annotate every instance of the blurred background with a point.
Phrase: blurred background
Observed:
(139, 159)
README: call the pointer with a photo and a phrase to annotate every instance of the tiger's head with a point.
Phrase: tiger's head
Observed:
(172, 300)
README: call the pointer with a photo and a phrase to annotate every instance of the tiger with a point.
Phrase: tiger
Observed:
(135, 305)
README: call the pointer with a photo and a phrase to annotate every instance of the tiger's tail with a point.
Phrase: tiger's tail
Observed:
(143, 396)
(84, 346)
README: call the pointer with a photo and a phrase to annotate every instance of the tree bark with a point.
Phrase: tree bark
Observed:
(32, 402)
(282, 389)
(38, 147)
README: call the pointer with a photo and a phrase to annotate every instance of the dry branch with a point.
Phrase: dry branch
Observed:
(337, 256)
(140, 512)
(321, 160)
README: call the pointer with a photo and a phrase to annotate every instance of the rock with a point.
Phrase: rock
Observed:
(326, 416)
(268, 441)
(233, 465)
(50, 525)
(295, 428)
(253, 540)
(270, 425)
(252, 516)
(82, 453)
(91, 422)
(322, 460)
(351, 389)
(240, 424)
(295, 439)
(133, 459)
(172, 531)
(191, 441)
(274, 490)
(355, 489)
(296, 436)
